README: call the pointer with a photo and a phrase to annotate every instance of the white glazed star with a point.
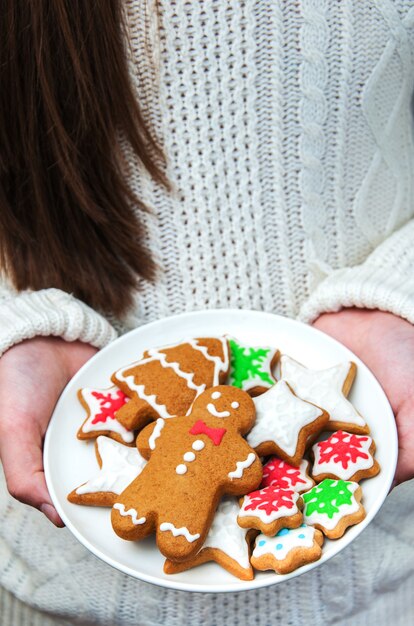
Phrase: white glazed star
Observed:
(280, 416)
(226, 535)
(120, 466)
(324, 388)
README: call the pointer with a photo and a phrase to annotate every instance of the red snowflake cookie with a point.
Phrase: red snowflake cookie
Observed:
(278, 473)
(344, 456)
(270, 509)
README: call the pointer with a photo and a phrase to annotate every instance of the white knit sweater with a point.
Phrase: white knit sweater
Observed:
(289, 134)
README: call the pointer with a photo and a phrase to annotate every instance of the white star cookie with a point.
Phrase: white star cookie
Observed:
(327, 388)
(119, 465)
(283, 423)
(227, 544)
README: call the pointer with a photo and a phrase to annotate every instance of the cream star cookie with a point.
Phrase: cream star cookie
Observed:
(328, 389)
(283, 423)
(119, 466)
(226, 543)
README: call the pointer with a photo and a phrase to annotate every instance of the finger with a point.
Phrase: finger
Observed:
(21, 455)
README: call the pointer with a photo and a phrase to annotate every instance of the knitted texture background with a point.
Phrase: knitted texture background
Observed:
(288, 132)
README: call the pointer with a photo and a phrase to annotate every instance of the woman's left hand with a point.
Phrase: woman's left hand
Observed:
(385, 343)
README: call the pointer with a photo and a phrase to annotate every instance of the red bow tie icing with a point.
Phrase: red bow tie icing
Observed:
(215, 434)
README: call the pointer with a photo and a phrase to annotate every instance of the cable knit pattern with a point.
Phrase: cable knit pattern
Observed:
(51, 312)
(287, 128)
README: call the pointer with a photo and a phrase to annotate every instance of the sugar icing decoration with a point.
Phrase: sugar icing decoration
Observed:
(178, 532)
(250, 367)
(242, 465)
(278, 473)
(322, 387)
(343, 454)
(270, 504)
(132, 513)
(215, 434)
(102, 405)
(287, 539)
(329, 501)
(120, 466)
(280, 416)
(159, 425)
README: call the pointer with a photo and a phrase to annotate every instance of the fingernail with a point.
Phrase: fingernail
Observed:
(51, 514)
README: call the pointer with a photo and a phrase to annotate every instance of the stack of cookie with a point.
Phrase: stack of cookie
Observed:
(199, 443)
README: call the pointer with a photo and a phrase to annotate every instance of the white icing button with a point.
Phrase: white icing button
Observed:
(198, 444)
(181, 469)
(189, 456)
(215, 395)
(235, 405)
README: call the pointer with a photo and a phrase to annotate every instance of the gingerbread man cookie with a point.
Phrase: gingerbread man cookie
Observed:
(166, 381)
(192, 461)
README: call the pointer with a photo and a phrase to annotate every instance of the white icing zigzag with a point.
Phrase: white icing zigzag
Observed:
(179, 531)
(242, 465)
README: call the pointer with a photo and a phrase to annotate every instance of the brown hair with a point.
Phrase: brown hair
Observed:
(66, 214)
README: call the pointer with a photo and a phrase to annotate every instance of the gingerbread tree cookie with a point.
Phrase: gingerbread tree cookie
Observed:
(192, 461)
(166, 381)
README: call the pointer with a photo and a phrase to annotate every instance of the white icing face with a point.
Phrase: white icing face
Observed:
(213, 411)
(216, 395)
(280, 416)
(120, 466)
(322, 387)
(286, 540)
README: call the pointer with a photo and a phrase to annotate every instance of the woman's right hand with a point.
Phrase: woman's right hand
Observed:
(32, 377)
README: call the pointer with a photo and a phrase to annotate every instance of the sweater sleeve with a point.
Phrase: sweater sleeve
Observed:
(49, 312)
(384, 281)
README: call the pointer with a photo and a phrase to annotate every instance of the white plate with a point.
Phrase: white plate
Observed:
(70, 462)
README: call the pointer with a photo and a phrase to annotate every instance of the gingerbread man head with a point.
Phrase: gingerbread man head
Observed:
(230, 404)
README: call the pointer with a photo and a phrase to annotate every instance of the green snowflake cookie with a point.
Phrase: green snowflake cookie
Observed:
(333, 506)
(251, 367)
